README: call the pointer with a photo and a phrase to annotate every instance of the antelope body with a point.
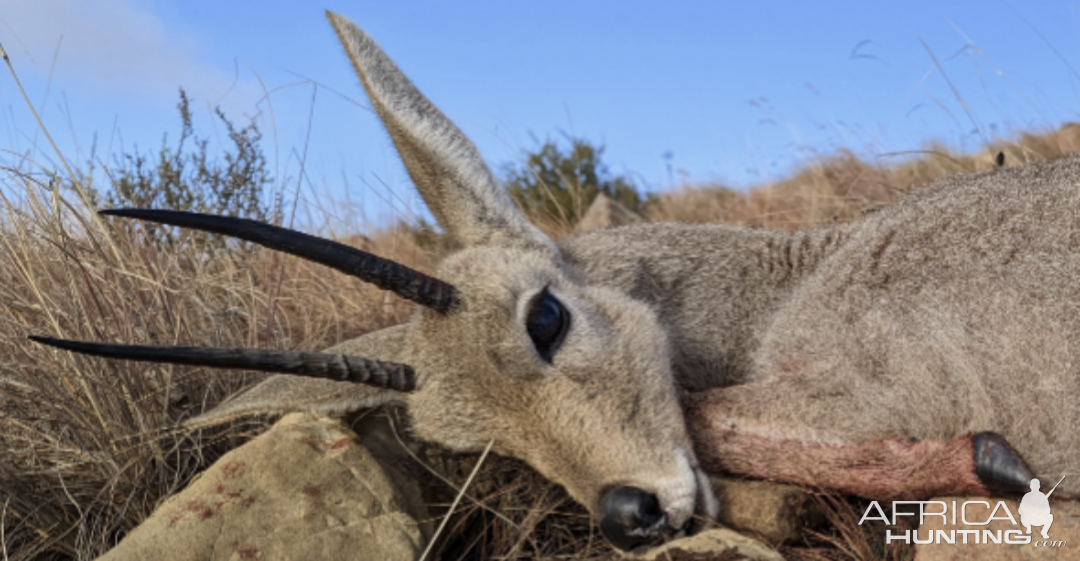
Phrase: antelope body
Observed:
(815, 356)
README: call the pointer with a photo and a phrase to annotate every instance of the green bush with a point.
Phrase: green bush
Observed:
(560, 182)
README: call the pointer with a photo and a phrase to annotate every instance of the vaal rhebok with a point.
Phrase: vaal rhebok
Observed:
(924, 349)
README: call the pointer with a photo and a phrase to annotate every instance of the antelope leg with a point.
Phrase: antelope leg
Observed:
(888, 469)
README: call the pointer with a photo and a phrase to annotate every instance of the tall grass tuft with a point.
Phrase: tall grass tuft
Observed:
(89, 447)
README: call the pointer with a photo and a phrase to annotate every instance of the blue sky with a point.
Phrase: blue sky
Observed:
(732, 92)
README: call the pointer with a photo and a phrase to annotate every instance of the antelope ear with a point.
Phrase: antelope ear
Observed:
(456, 184)
(286, 394)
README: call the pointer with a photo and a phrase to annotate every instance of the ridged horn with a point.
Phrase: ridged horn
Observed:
(344, 368)
(384, 273)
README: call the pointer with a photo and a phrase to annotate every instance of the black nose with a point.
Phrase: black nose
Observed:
(630, 517)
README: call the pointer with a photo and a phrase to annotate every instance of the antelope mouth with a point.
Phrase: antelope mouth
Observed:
(637, 530)
(635, 520)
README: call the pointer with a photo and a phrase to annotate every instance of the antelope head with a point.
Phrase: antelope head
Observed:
(508, 344)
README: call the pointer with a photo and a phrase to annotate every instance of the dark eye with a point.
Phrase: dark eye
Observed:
(547, 323)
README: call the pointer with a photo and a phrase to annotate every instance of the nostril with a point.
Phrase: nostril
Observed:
(631, 517)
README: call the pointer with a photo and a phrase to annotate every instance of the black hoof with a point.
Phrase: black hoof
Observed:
(999, 467)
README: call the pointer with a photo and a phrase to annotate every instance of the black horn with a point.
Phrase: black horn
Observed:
(384, 273)
(345, 368)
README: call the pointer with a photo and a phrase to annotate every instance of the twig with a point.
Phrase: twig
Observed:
(457, 499)
(3, 523)
(433, 471)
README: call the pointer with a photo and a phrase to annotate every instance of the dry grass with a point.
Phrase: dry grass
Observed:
(842, 187)
(843, 539)
(520, 515)
(88, 447)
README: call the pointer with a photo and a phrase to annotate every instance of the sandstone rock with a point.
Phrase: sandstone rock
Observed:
(774, 512)
(718, 544)
(307, 489)
(605, 212)
(1064, 533)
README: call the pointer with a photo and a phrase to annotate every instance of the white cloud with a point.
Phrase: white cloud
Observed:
(115, 47)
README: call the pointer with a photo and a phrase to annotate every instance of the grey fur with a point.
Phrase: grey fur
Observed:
(953, 311)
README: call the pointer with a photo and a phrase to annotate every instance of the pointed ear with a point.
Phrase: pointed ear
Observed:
(446, 168)
(286, 394)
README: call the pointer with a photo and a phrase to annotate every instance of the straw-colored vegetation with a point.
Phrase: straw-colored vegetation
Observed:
(842, 187)
(89, 447)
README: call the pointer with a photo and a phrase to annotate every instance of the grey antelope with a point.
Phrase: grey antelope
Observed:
(922, 350)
